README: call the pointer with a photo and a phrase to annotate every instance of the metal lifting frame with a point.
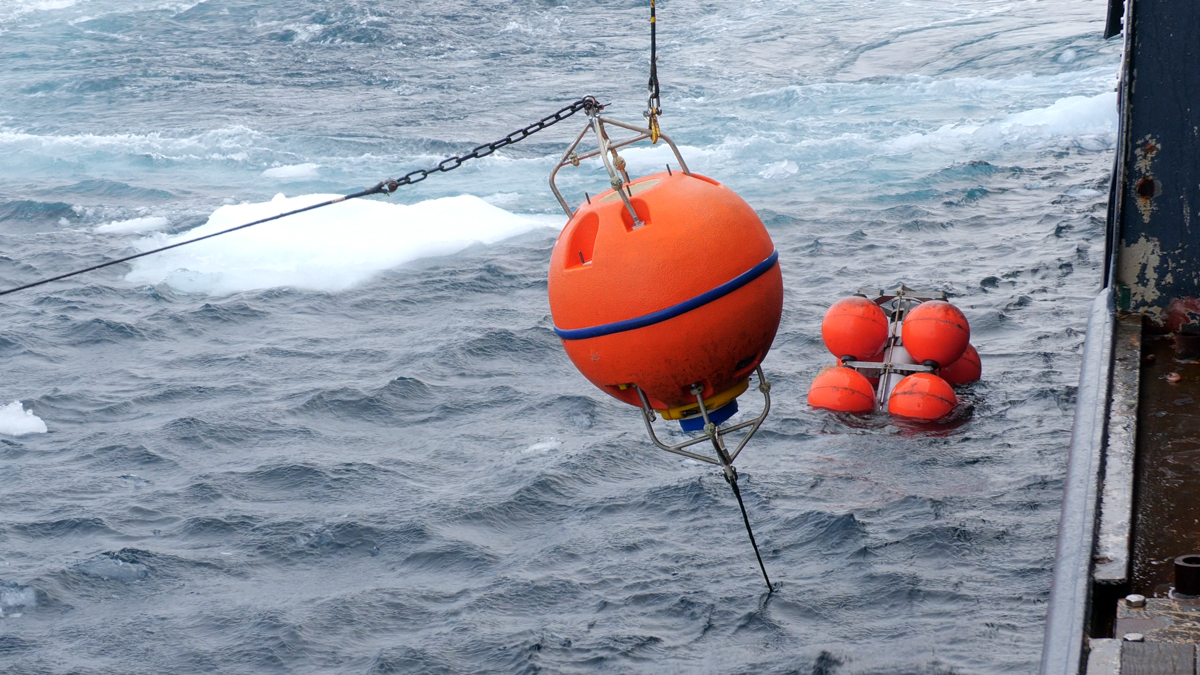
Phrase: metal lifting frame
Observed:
(615, 164)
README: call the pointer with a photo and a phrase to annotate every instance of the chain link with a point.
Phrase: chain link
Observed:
(450, 163)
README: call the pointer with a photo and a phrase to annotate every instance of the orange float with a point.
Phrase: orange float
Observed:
(841, 389)
(923, 396)
(936, 331)
(688, 293)
(854, 327)
(965, 370)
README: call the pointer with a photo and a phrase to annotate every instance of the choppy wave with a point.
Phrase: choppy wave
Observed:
(350, 440)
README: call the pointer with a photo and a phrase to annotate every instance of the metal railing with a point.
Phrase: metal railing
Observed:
(1070, 593)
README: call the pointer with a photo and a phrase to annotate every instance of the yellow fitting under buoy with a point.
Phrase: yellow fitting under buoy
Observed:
(711, 403)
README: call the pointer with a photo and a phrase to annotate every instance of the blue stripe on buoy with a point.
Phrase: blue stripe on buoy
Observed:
(674, 310)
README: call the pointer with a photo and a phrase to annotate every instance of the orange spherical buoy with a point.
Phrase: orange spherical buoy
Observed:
(935, 331)
(965, 370)
(690, 293)
(854, 327)
(841, 389)
(923, 396)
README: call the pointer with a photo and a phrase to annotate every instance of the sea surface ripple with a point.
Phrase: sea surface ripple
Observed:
(354, 444)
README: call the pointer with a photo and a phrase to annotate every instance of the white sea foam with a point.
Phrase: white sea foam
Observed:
(519, 27)
(146, 224)
(13, 9)
(1071, 116)
(329, 249)
(544, 446)
(503, 199)
(226, 143)
(13, 595)
(780, 169)
(293, 172)
(15, 420)
(644, 159)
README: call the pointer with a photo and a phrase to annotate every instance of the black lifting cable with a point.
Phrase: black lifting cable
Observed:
(386, 187)
(653, 104)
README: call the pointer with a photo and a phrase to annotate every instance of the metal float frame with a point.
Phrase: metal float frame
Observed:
(898, 302)
(714, 433)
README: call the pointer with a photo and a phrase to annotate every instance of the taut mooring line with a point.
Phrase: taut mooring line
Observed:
(375, 190)
(738, 493)
(731, 477)
(386, 187)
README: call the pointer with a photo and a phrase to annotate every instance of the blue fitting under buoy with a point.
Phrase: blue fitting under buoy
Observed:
(718, 416)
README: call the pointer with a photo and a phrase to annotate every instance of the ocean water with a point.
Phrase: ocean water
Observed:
(351, 443)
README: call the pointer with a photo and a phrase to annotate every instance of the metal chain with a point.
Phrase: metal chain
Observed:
(384, 187)
(450, 163)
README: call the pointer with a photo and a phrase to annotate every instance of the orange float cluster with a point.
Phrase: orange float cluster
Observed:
(931, 341)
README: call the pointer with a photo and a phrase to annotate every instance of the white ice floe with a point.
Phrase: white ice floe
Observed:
(329, 249)
(1089, 122)
(107, 567)
(15, 420)
(15, 597)
(134, 225)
